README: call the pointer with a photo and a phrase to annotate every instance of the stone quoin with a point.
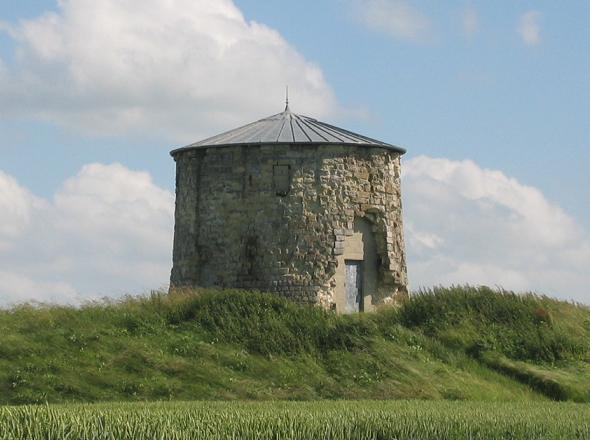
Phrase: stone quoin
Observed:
(294, 206)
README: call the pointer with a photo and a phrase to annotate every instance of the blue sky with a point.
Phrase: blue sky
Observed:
(489, 97)
(499, 90)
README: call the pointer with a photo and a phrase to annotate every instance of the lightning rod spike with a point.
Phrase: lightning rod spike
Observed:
(286, 98)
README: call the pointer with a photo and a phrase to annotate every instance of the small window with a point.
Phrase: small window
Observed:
(281, 176)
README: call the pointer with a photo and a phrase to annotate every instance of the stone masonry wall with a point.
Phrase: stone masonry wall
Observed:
(233, 230)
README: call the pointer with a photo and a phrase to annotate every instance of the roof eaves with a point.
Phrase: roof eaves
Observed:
(385, 146)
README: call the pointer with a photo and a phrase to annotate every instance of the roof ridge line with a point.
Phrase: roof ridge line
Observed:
(301, 128)
(281, 130)
(307, 124)
(292, 131)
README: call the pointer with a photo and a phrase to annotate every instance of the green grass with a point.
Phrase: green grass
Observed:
(461, 343)
(399, 420)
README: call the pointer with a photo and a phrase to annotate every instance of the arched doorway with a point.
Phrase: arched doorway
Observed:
(357, 271)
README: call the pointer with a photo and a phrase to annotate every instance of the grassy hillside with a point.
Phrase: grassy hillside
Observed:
(458, 343)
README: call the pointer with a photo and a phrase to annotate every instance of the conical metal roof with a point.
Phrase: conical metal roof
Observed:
(288, 128)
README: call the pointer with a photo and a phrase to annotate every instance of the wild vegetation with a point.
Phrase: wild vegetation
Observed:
(399, 420)
(460, 343)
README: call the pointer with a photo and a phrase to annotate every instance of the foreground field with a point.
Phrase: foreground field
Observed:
(400, 420)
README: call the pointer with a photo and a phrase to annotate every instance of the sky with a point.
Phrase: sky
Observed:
(490, 99)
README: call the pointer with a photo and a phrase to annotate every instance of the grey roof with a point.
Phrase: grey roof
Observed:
(288, 128)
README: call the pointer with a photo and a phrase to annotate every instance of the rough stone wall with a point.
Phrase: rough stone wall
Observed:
(233, 230)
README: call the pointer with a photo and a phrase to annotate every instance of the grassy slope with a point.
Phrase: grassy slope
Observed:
(459, 343)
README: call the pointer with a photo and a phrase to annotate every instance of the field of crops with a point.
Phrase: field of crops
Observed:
(400, 420)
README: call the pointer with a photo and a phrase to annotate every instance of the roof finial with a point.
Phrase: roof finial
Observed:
(286, 98)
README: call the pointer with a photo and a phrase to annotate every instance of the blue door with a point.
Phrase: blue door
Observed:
(354, 286)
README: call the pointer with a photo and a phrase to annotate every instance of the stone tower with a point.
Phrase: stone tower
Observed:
(295, 206)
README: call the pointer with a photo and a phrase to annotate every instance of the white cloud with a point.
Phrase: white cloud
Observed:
(470, 21)
(465, 224)
(393, 17)
(107, 231)
(181, 69)
(529, 28)
(18, 288)
(115, 204)
(16, 206)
